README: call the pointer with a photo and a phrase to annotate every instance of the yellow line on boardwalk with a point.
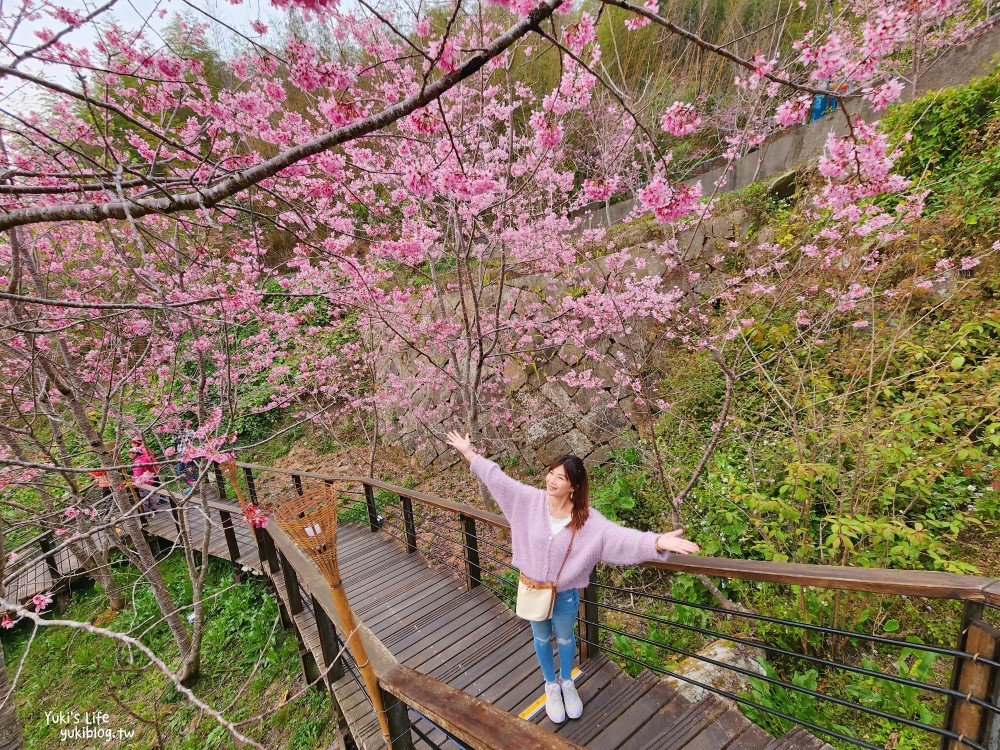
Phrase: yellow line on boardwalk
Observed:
(540, 701)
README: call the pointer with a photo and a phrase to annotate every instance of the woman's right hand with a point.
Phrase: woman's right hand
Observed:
(462, 444)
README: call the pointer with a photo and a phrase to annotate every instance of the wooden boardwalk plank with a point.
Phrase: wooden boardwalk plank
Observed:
(618, 731)
(448, 625)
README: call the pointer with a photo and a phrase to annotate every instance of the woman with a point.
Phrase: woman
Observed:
(144, 472)
(543, 525)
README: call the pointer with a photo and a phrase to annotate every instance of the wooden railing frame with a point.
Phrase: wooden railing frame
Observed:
(480, 725)
(929, 584)
(974, 591)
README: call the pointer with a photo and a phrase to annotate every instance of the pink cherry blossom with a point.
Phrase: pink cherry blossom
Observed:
(580, 34)
(884, 95)
(41, 601)
(637, 22)
(792, 111)
(600, 189)
(680, 119)
(256, 516)
(669, 202)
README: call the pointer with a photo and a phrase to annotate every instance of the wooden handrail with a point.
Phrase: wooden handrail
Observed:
(925, 583)
(930, 584)
(491, 519)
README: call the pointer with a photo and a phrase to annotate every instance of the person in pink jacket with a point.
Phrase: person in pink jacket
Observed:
(143, 471)
(542, 522)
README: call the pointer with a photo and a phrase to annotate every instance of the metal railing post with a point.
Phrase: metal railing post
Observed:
(373, 523)
(589, 629)
(251, 485)
(473, 573)
(175, 513)
(232, 546)
(329, 644)
(268, 552)
(291, 586)
(408, 524)
(975, 680)
(398, 715)
(297, 481)
(45, 543)
(220, 481)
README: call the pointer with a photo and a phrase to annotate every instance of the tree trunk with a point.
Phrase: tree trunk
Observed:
(64, 380)
(95, 562)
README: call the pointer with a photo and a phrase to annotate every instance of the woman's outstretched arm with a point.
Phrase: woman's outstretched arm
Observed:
(463, 445)
(507, 492)
(624, 546)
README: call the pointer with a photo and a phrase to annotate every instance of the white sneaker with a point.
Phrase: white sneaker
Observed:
(571, 699)
(554, 703)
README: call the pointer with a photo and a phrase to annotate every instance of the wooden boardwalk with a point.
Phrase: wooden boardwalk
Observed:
(431, 622)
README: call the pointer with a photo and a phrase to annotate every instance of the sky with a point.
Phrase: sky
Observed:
(130, 14)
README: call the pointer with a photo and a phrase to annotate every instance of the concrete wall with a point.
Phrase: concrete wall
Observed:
(801, 144)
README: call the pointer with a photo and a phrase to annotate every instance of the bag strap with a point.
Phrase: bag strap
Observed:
(568, 550)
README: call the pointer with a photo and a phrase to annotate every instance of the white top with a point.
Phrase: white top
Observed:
(558, 524)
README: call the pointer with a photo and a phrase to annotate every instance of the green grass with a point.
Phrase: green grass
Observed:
(249, 665)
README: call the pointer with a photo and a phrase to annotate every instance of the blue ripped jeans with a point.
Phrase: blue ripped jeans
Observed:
(562, 623)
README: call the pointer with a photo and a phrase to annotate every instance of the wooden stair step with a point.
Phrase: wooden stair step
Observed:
(722, 732)
(798, 738)
(644, 711)
(611, 703)
(589, 685)
(754, 738)
(686, 727)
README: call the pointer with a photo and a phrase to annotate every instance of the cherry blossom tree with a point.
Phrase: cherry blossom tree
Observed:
(338, 222)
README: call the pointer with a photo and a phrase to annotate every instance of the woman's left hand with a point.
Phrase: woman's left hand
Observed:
(673, 541)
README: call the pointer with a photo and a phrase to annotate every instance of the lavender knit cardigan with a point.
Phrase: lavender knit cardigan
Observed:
(538, 553)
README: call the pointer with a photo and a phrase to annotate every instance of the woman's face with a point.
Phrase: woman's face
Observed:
(557, 484)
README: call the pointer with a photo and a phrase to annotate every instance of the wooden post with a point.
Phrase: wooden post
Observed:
(473, 573)
(251, 485)
(373, 523)
(982, 681)
(310, 669)
(231, 544)
(398, 714)
(329, 643)
(220, 481)
(589, 630)
(269, 553)
(291, 586)
(286, 619)
(45, 543)
(408, 524)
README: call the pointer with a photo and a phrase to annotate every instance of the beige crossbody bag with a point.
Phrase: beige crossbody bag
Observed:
(535, 599)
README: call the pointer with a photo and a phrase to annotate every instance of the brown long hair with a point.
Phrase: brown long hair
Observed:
(576, 473)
